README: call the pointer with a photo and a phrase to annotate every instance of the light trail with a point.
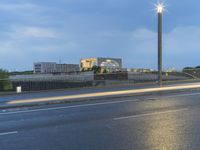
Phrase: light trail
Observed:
(8, 133)
(103, 94)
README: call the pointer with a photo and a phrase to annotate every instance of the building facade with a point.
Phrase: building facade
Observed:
(139, 70)
(52, 67)
(65, 68)
(44, 67)
(109, 64)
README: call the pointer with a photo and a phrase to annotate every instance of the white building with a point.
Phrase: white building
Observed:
(110, 64)
(64, 68)
(44, 67)
(52, 67)
(139, 70)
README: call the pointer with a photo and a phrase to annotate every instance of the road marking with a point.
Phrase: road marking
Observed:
(182, 95)
(172, 96)
(66, 107)
(150, 114)
(8, 133)
(101, 94)
(96, 104)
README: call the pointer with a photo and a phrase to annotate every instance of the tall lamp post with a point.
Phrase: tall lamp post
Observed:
(160, 9)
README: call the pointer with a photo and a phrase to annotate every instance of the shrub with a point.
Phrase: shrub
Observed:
(5, 84)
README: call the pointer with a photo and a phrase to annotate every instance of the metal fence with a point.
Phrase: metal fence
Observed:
(89, 79)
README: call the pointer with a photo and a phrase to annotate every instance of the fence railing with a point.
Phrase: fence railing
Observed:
(49, 81)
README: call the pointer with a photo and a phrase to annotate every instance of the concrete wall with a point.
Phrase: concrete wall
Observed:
(48, 85)
(139, 77)
(85, 76)
(112, 76)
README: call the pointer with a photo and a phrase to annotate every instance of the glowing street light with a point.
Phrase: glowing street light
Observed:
(160, 9)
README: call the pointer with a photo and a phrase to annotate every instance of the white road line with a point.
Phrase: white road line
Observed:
(66, 107)
(150, 114)
(173, 96)
(8, 133)
(181, 95)
(95, 104)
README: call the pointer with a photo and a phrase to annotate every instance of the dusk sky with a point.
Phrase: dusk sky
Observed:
(67, 30)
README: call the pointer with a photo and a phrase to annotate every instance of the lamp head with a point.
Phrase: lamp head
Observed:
(160, 7)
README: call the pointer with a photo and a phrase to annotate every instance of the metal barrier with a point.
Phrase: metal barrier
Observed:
(49, 81)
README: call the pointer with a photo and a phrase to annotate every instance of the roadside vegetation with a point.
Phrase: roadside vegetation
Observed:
(29, 72)
(5, 84)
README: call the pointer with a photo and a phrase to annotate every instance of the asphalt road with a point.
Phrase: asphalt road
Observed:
(155, 122)
(4, 97)
(64, 92)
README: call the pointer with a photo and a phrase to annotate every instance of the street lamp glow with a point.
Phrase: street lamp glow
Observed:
(160, 7)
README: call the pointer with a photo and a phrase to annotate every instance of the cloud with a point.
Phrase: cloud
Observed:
(33, 32)
(137, 48)
(180, 47)
(21, 45)
(24, 41)
(71, 29)
(183, 39)
(143, 34)
(18, 7)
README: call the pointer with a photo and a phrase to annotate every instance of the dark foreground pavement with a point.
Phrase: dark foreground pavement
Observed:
(157, 122)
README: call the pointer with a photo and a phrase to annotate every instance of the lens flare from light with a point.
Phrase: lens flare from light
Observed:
(160, 7)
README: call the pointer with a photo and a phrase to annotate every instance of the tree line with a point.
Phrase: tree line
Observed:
(191, 68)
(5, 84)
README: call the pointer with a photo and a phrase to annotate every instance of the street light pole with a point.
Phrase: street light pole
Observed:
(160, 9)
(160, 48)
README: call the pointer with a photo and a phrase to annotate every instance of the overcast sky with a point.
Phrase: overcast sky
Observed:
(67, 30)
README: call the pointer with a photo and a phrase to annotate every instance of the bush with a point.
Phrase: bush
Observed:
(5, 84)
(96, 69)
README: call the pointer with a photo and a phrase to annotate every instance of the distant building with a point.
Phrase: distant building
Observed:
(171, 70)
(109, 64)
(139, 70)
(52, 67)
(44, 67)
(64, 68)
